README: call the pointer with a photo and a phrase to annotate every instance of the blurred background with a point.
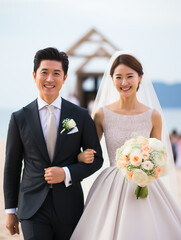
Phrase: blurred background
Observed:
(90, 31)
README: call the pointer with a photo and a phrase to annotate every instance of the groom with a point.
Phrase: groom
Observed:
(47, 189)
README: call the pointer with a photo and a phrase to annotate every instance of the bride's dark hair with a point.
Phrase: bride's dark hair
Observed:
(129, 61)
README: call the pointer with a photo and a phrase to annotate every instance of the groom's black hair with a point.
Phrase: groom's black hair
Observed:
(51, 54)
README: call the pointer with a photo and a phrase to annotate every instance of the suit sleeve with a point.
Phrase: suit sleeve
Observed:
(13, 165)
(79, 171)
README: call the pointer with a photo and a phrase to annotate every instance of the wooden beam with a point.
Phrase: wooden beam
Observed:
(86, 38)
(101, 52)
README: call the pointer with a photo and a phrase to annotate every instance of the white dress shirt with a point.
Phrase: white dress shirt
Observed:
(44, 115)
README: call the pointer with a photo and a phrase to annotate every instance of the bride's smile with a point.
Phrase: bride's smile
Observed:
(126, 80)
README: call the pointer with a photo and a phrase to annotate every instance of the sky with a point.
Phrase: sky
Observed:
(151, 28)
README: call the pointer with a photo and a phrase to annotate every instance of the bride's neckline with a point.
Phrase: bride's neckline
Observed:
(128, 114)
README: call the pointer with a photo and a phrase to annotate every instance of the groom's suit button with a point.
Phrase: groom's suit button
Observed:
(70, 182)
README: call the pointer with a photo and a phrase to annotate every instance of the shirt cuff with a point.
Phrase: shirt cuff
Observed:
(11, 210)
(68, 179)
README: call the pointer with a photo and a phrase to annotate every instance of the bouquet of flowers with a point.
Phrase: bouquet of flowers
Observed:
(142, 160)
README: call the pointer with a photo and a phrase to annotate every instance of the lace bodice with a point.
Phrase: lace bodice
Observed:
(118, 128)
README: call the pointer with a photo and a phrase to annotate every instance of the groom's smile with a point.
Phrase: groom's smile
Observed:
(46, 86)
(49, 79)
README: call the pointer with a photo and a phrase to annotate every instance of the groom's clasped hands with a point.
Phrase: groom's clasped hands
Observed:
(54, 175)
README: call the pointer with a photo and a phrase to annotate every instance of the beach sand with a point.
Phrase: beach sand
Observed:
(4, 234)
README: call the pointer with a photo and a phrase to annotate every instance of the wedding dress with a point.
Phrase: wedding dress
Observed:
(112, 211)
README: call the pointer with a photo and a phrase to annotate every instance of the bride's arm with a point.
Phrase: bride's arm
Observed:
(87, 156)
(156, 131)
(98, 119)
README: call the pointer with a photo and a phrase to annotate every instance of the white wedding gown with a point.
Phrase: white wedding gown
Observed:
(112, 211)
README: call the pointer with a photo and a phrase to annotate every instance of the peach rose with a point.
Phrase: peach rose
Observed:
(129, 175)
(165, 157)
(146, 148)
(121, 163)
(124, 158)
(136, 157)
(158, 171)
(141, 140)
(145, 155)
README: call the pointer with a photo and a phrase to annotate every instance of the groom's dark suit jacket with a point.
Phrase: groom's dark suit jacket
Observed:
(26, 141)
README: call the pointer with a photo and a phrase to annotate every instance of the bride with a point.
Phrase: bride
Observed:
(112, 211)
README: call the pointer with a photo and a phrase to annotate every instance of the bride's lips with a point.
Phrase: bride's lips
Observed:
(125, 89)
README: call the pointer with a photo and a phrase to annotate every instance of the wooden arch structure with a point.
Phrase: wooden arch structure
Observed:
(94, 50)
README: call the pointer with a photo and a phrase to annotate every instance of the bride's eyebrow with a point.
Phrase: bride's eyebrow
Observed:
(119, 74)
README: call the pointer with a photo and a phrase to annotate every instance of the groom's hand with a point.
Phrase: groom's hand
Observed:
(54, 175)
(12, 223)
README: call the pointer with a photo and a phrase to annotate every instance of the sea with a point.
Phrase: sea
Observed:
(172, 116)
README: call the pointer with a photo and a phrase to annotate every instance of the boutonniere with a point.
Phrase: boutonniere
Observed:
(68, 124)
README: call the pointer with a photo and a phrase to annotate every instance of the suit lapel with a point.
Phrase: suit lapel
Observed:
(33, 119)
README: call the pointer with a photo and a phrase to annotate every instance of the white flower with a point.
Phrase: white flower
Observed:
(136, 157)
(126, 150)
(150, 179)
(158, 158)
(68, 124)
(156, 144)
(71, 124)
(147, 165)
(140, 178)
